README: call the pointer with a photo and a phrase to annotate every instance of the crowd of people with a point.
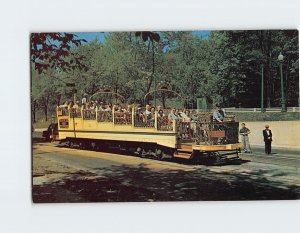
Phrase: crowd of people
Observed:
(92, 105)
(145, 116)
(147, 113)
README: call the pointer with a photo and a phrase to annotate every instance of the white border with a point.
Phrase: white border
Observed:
(19, 18)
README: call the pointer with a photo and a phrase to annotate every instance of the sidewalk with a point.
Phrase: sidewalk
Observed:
(277, 147)
(40, 130)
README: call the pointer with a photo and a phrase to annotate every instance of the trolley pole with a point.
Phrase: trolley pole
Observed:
(262, 88)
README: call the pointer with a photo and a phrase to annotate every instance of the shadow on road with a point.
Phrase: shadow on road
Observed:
(126, 183)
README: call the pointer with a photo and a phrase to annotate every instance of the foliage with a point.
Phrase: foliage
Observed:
(225, 67)
(53, 50)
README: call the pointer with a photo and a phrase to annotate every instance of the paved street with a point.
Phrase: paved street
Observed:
(69, 175)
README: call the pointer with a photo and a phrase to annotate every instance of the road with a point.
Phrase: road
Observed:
(69, 175)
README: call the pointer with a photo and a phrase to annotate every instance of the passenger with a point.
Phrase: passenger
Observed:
(184, 116)
(160, 112)
(101, 107)
(64, 108)
(108, 108)
(151, 116)
(65, 105)
(152, 112)
(119, 109)
(93, 106)
(128, 109)
(219, 114)
(128, 114)
(172, 116)
(84, 99)
(148, 110)
(76, 105)
(177, 113)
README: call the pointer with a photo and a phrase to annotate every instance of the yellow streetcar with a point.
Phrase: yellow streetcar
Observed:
(194, 137)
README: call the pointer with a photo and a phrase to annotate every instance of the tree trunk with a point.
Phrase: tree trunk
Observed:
(58, 100)
(46, 108)
(46, 112)
(34, 111)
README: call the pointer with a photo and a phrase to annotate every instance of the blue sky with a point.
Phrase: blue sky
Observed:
(100, 36)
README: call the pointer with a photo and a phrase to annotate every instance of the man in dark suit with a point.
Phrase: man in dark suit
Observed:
(268, 139)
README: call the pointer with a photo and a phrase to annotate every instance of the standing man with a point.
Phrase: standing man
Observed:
(244, 131)
(268, 139)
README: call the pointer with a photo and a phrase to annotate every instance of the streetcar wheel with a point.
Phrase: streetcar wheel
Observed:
(158, 154)
(93, 145)
(219, 159)
(71, 144)
(138, 151)
(82, 146)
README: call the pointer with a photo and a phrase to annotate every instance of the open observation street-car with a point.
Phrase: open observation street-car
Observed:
(194, 137)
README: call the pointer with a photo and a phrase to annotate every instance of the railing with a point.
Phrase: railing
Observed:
(62, 111)
(123, 118)
(104, 116)
(164, 124)
(89, 114)
(75, 112)
(209, 133)
(144, 120)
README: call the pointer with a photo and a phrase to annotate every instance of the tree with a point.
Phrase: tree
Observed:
(51, 50)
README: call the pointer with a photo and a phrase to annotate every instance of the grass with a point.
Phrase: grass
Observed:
(41, 124)
(266, 116)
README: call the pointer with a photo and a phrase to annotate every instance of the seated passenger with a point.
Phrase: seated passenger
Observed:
(64, 108)
(76, 105)
(172, 116)
(184, 116)
(151, 116)
(118, 109)
(108, 108)
(93, 106)
(100, 106)
(148, 110)
(160, 113)
(65, 105)
(84, 99)
(219, 114)
(177, 113)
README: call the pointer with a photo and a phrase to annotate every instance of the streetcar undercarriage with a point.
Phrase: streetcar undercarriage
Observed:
(153, 151)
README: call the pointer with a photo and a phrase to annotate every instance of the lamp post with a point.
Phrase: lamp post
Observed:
(155, 92)
(283, 102)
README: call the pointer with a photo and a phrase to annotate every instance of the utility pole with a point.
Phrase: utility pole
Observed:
(262, 88)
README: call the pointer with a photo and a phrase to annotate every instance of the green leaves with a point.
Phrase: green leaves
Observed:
(225, 67)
